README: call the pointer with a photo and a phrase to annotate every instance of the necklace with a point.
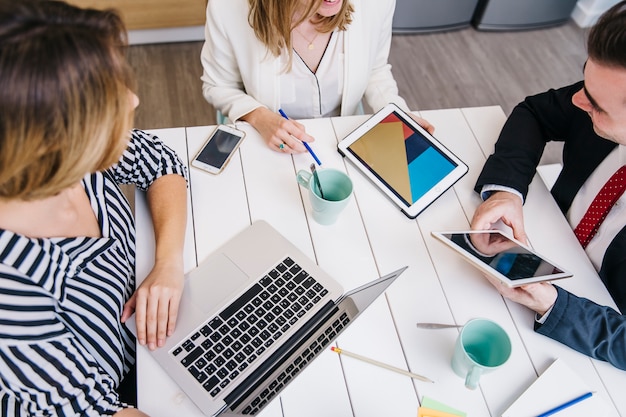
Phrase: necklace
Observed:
(310, 41)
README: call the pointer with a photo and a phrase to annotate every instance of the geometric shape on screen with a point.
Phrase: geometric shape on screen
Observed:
(426, 171)
(392, 118)
(381, 148)
(415, 146)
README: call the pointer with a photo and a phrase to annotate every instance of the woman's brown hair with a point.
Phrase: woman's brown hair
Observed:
(65, 106)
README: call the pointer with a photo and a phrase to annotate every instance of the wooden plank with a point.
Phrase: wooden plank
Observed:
(344, 250)
(274, 195)
(467, 292)
(146, 14)
(219, 201)
(172, 400)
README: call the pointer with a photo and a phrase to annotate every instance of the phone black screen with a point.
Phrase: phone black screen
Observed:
(217, 150)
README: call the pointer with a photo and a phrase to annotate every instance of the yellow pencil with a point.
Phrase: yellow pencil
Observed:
(381, 364)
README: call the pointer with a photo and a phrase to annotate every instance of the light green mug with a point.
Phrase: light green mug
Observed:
(336, 188)
(481, 347)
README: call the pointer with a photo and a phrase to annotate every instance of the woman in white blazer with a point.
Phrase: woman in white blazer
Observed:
(312, 58)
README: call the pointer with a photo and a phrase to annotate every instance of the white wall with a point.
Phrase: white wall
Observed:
(166, 35)
(587, 12)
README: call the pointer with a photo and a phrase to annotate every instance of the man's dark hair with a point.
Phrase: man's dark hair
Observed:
(607, 38)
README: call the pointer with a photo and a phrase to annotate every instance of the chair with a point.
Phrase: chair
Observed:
(220, 118)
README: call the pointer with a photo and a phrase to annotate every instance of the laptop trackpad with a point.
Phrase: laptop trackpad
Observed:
(215, 280)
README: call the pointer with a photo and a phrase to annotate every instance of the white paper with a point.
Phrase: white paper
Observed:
(557, 385)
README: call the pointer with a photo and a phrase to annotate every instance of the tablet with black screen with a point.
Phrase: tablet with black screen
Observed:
(406, 162)
(502, 257)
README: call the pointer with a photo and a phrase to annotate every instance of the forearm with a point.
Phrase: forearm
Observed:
(592, 329)
(517, 153)
(534, 122)
(167, 200)
(156, 300)
(233, 102)
(256, 116)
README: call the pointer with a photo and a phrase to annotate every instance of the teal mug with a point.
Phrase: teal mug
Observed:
(482, 346)
(336, 187)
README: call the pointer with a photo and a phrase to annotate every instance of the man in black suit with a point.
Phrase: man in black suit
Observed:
(589, 117)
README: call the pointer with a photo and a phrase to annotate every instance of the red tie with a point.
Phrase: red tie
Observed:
(600, 207)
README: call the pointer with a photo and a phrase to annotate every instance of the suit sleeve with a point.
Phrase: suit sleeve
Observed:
(532, 124)
(594, 330)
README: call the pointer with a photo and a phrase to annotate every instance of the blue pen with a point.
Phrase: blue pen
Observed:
(566, 405)
(306, 145)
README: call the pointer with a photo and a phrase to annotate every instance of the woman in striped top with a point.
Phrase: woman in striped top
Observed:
(66, 231)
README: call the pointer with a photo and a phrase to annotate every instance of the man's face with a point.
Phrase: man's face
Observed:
(604, 98)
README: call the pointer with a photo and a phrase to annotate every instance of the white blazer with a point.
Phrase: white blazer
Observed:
(240, 74)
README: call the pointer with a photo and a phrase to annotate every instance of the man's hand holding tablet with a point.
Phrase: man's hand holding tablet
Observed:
(501, 257)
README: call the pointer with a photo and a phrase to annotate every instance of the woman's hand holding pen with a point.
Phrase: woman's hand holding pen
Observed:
(277, 131)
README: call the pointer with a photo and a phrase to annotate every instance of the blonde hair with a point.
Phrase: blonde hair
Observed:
(65, 104)
(273, 21)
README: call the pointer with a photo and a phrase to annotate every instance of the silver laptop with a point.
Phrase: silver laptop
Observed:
(252, 316)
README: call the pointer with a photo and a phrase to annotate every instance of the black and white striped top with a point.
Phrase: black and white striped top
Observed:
(63, 350)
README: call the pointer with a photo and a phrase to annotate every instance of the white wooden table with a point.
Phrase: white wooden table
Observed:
(370, 239)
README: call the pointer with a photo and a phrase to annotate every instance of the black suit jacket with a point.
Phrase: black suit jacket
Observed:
(551, 116)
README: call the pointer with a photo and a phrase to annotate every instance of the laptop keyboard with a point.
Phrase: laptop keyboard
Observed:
(296, 365)
(232, 340)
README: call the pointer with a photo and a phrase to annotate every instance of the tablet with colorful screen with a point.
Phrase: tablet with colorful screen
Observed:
(406, 162)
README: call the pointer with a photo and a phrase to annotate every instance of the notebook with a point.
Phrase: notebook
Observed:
(253, 314)
(555, 386)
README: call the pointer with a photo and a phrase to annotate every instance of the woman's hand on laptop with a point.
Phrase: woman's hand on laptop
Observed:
(155, 304)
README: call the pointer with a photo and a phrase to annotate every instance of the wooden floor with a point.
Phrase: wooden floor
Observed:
(438, 70)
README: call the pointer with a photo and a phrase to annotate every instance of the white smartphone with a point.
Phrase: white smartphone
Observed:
(218, 149)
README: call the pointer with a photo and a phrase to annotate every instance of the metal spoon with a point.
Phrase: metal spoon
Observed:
(316, 180)
(437, 326)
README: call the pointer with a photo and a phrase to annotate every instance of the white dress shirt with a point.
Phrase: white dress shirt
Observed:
(306, 94)
(240, 74)
(615, 220)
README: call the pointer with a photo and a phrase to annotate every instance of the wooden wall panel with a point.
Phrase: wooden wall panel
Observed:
(153, 14)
